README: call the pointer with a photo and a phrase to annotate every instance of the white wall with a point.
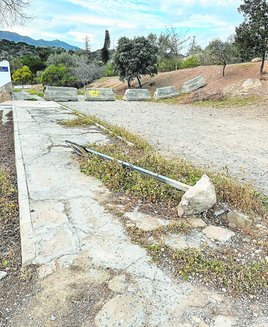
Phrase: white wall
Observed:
(5, 76)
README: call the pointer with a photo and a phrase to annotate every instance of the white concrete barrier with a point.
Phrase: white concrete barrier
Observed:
(99, 94)
(136, 95)
(166, 92)
(60, 94)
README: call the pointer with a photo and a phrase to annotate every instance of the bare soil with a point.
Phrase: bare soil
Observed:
(234, 77)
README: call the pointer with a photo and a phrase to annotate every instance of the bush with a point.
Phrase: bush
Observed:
(57, 76)
(22, 75)
(109, 70)
(167, 65)
(190, 62)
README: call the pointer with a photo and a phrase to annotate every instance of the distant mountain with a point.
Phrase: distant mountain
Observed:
(5, 35)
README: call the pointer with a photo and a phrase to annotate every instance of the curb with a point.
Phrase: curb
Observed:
(28, 250)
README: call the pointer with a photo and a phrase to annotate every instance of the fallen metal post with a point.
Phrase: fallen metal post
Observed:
(84, 151)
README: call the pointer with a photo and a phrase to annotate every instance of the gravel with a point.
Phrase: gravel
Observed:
(220, 139)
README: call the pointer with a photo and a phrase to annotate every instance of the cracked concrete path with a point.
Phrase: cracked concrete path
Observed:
(90, 273)
(232, 139)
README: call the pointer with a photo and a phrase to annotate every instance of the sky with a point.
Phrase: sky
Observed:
(72, 20)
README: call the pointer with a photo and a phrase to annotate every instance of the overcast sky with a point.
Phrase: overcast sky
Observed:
(72, 20)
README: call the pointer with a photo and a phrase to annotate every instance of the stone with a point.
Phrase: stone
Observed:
(181, 242)
(199, 198)
(218, 233)
(251, 83)
(60, 94)
(193, 84)
(123, 310)
(118, 284)
(146, 222)
(136, 95)
(166, 92)
(196, 222)
(256, 59)
(3, 275)
(240, 220)
(100, 94)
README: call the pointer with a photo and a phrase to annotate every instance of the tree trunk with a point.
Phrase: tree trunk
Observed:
(262, 62)
(223, 69)
(128, 82)
(139, 81)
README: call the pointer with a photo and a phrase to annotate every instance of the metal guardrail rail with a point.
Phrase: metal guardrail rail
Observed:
(84, 151)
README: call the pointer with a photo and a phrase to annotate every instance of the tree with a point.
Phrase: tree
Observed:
(105, 49)
(86, 72)
(34, 63)
(175, 43)
(134, 58)
(222, 53)
(253, 32)
(57, 76)
(22, 75)
(12, 11)
(194, 48)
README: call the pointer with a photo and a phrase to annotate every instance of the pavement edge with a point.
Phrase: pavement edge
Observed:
(28, 251)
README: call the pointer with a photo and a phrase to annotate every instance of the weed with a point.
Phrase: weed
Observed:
(233, 102)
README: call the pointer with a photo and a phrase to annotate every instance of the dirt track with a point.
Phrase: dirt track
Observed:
(228, 138)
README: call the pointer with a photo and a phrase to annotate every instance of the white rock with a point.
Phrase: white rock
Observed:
(224, 321)
(218, 233)
(146, 222)
(258, 59)
(251, 82)
(118, 284)
(199, 198)
(181, 242)
(3, 274)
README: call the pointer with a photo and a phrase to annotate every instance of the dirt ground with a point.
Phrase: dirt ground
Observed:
(235, 75)
(18, 283)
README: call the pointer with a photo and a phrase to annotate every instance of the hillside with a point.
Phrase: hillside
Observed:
(5, 35)
(232, 82)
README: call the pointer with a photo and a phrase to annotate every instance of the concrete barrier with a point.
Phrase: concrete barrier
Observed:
(99, 95)
(60, 94)
(193, 84)
(136, 95)
(166, 92)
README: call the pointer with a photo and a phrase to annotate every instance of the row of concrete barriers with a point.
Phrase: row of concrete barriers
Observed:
(62, 94)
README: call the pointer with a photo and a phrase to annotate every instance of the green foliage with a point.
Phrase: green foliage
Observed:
(109, 70)
(189, 63)
(34, 63)
(222, 53)
(252, 35)
(57, 76)
(22, 75)
(134, 58)
(167, 65)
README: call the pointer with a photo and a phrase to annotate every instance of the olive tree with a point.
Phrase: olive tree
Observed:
(134, 58)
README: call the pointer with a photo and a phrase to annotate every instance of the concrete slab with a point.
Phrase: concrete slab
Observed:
(99, 94)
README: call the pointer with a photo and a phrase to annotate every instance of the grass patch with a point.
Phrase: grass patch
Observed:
(8, 215)
(34, 92)
(174, 100)
(218, 268)
(240, 196)
(235, 102)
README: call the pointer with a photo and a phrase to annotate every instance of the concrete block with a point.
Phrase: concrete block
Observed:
(193, 84)
(60, 94)
(99, 95)
(166, 92)
(136, 95)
